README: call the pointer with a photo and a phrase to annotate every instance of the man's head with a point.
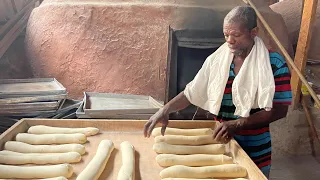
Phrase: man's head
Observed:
(240, 28)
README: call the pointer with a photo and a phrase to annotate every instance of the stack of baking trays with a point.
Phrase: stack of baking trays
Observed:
(117, 106)
(41, 97)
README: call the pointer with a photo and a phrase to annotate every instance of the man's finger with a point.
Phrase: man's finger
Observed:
(219, 135)
(145, 128)
(164, 126)
(216, 131)
(151, 127)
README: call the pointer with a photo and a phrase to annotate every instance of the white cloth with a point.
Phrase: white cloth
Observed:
(253, 87)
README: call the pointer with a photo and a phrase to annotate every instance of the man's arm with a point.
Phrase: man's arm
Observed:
(263, 118)
(176, 104)
(226, 130)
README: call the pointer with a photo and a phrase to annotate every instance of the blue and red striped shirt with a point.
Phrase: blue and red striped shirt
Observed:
(257, 142)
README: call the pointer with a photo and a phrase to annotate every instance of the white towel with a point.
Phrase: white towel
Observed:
(253, 87)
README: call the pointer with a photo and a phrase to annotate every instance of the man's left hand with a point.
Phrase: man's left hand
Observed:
(225, 131)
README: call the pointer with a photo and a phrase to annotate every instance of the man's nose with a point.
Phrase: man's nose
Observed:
(230, 40)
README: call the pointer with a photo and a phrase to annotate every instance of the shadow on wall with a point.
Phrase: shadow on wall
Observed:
(14, 63)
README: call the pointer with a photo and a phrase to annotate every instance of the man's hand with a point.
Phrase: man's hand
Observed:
(225, 131)
(161, 116)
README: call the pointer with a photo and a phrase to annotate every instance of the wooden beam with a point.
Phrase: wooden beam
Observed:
(8, 39)
(4, 29)
(285, 53)
(14, 7)
(300, 60)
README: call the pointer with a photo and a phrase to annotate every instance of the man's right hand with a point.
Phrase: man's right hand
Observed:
(161, 116)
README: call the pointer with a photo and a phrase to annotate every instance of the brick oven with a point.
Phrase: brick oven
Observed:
(127, 46)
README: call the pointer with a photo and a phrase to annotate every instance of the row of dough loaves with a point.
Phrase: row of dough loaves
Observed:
(192, 153)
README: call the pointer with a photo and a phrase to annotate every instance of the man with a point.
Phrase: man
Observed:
(251, 132)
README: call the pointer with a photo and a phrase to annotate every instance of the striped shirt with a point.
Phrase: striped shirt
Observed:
(257, 142)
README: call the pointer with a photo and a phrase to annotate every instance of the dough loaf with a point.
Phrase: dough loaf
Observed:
(166, 160)
(27, 148)
(29, 172)
(186, 140)
(184, 132)
(96, 166)
(127, 170)
(41, 129)
(38, 139)
(164, 148)
(218, 171)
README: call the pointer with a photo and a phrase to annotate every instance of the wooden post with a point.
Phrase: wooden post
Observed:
(308, 17)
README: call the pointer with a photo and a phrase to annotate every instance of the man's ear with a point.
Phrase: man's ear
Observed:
(254, 32)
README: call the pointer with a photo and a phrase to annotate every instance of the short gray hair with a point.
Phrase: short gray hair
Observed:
(243, 14)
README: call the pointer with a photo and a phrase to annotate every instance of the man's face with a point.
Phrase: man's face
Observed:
(238, 37)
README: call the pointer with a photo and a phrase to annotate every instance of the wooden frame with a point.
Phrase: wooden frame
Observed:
(128, 130)
(300, 59)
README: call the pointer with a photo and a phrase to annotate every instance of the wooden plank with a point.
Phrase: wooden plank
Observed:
(129, 130)
(285, 53)
(308, 19)
(4, 29)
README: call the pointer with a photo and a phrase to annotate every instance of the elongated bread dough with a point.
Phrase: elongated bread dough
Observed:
(27, 148)
(14, 158)
(201, 179)
(56, 178)
(28, 172)
(166, 160)
(38, 139)
(218, 171)
(184, 132)
(41, 129)
(127, 170)
(98, 162)
(164, 148)
(186, 140)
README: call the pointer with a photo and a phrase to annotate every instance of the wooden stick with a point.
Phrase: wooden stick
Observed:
(300, 60)
(309, 119)
(285, 53)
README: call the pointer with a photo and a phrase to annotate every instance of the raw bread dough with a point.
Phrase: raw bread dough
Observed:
(164, 148)
(201, 179)
(37, 139)
(98, 162)
(166, 160)
(218, 171)
(184, 132)
(27, 148)
(41, 129)
(28, 172)
(56, 178)
(14, 158)
(185, 140)
(127, 170)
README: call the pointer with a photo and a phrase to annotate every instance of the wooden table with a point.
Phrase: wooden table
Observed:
(128, 130)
